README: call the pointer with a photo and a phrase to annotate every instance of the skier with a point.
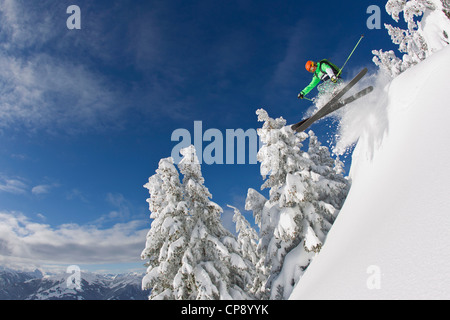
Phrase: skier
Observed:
(323, 70)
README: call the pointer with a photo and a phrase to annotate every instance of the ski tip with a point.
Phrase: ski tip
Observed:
(362, 73)
(369, 89)
(301, 129)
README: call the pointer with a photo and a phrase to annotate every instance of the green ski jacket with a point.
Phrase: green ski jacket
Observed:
(324, 69)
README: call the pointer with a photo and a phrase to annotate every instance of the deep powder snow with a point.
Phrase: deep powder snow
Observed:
(391, 239)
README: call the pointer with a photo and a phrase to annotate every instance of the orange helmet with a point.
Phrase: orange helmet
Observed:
(310, 65)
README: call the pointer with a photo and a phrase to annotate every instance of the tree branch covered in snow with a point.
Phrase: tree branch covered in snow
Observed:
(428, 30)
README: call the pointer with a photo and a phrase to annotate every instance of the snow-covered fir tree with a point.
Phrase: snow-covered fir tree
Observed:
(428, 30)
(190, 254)
(305, 194)
(331, 185)
(256, 202)
(166, 239)
(247, 239)
(211, 267)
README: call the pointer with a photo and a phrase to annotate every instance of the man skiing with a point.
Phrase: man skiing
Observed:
(323, 70)
(326, 71)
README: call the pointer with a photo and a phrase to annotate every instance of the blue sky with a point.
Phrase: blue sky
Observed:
(85, 115)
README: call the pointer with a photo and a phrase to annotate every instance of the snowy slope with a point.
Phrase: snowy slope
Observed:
(392, 237)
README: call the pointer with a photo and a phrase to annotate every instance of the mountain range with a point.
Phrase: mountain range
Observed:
(25, 285)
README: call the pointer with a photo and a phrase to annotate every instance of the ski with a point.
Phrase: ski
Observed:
(302, 125)
(348, 100)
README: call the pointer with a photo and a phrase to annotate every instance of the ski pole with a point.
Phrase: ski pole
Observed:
(340, 71)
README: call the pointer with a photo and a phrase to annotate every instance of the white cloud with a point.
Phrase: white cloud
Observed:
(27, 24)
(41, 85)
(45, 92)
(44, 188)
(20, 186)
(41, 189)
(24, 240)
(13, 185)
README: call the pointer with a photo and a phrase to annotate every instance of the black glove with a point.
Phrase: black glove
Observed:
(301, 95)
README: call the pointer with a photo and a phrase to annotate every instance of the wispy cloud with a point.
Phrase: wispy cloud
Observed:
(21, 186)
(45, 92)
(290, 68)
(13, 185)
(27, 24)
(121, 209)
(41, 189)
(31, 242)
(42, 85)
(76, 194)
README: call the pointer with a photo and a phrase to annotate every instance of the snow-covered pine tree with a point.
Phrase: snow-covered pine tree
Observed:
(167, 237)
(297, 216)
(260, 207)
(421, 38)
(332, 187)
(211, 267)
(247, 239)
(279, 157)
